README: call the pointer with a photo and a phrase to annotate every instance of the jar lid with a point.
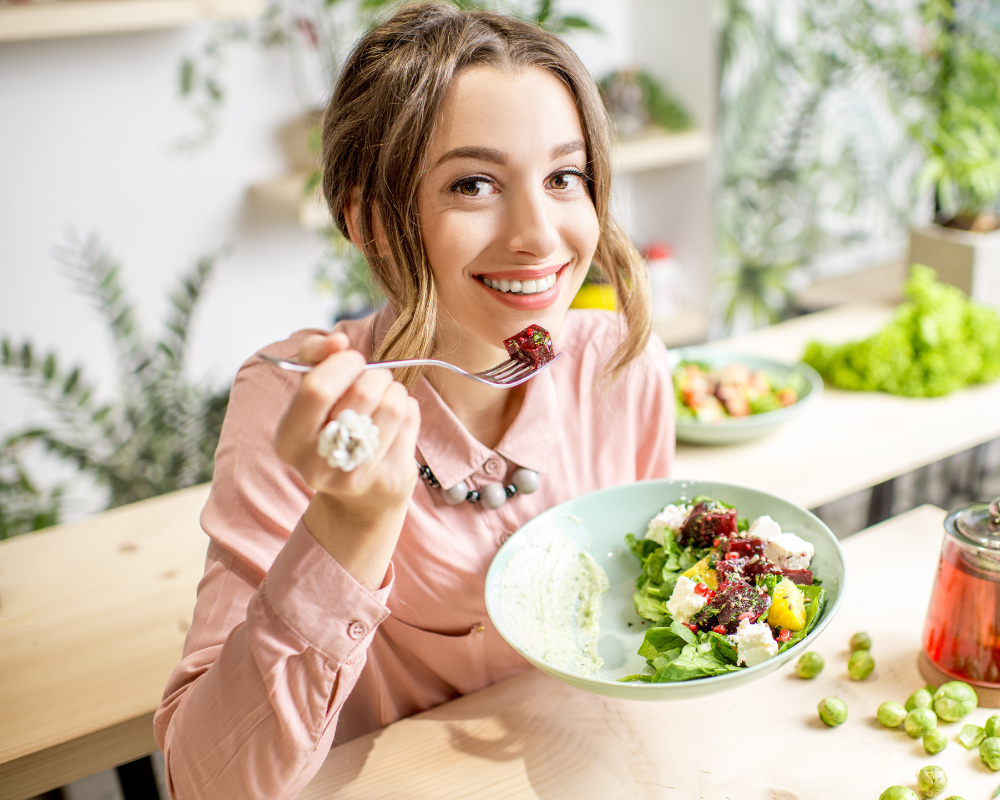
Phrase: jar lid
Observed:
(978, 522)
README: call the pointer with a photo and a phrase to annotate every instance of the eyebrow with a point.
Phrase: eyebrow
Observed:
(498, 157)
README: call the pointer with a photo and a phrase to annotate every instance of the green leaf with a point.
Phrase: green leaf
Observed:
(187, 76)
(49, 367)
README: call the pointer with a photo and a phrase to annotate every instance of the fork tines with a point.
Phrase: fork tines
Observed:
(512, 367)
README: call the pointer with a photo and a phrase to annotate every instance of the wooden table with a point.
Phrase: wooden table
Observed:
(535, 737)
(847, 441)
(92, 622)
(92, 616)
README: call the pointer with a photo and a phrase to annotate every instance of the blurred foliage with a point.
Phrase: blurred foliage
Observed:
(636, 100)
(803, 161)
(325, 30)
(960, 135)
(937, 342)
(158, 435)
(806, 95)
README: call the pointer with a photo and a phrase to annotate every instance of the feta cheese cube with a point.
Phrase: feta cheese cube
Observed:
(788, 551)
(685, 602)
(670, 519)
(763, 528)
(754, 643)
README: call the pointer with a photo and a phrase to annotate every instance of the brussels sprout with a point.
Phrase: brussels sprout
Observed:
(860, 665)
(971, 736)
(935, 741)
(809, 665)
(919, 721)
(992, 725)
(954, 797)
(931, 781)
(919, 699)
(832, 711)
(898, 793)
(954, 700)
(861, 641)
(891, 714)
(989, 752)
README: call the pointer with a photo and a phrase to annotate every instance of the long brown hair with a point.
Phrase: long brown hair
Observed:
(376, 133)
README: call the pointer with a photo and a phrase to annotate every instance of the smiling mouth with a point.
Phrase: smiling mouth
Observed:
(521, 287)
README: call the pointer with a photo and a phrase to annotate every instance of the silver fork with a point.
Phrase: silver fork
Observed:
(511, 372)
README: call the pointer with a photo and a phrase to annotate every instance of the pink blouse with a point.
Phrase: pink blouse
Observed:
(288, 654)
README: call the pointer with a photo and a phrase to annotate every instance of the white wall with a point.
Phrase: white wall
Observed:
(86, 145)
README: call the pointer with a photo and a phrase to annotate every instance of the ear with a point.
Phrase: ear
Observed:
(351, 213)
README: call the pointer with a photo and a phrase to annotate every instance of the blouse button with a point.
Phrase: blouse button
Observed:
(356, 630)
(492, 466)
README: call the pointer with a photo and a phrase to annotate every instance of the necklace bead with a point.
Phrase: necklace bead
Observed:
(492, 495)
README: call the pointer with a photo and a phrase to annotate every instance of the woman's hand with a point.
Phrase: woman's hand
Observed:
(356, 516)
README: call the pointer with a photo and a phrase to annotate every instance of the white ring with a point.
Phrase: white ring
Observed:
(348, 441)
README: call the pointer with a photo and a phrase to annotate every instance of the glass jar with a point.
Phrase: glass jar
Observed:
(962, 631)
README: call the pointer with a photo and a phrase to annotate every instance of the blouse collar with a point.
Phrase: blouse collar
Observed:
(451, 452)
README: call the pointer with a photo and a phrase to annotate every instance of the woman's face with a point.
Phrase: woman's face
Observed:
(506, 217)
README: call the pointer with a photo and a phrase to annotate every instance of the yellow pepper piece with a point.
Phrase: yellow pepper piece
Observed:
(788, 607)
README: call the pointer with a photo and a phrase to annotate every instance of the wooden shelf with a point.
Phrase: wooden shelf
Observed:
(61, 18)
(287, 193)
(658, 150)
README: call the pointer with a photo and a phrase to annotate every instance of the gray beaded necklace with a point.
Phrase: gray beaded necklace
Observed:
(492, 495)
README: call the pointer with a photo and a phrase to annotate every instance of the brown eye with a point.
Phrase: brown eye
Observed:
(473, 187)
(564, 180)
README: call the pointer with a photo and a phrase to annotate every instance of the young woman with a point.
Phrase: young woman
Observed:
(467, 155)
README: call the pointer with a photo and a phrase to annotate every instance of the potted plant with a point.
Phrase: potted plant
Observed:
(960, 139)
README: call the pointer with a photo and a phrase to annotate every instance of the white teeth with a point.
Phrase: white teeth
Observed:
(522, 287)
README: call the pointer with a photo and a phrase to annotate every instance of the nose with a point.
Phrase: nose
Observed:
(531, 224)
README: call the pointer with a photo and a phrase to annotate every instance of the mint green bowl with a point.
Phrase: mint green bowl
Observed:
(735, 430)
(600, 520)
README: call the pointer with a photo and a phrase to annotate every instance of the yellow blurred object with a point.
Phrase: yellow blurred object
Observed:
(596, 295)
(702, 573)
(788, 607)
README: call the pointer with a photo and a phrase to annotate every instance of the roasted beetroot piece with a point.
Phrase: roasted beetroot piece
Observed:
(707, 523)
(733, 600)
(730, 569)
(532, 345)
(744, 569)
(759, 566)
(744, 548)
(803, 577)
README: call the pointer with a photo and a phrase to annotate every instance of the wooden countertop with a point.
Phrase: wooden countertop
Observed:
(846, 441)
(535, 737)
(92, 622)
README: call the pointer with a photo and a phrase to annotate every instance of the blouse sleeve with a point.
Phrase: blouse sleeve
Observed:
(655, 408)
(280, 629)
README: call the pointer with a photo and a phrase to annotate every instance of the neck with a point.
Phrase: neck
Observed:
(485, 411)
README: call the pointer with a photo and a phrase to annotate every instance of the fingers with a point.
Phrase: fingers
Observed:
(315, 348)
(319, 391)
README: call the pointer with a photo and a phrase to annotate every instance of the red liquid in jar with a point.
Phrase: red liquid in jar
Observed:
(962, 631)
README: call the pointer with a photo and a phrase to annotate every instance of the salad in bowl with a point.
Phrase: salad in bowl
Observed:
(565, 560)
(721, 593)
